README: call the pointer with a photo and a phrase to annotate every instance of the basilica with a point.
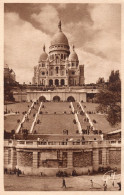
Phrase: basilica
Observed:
(60, 67)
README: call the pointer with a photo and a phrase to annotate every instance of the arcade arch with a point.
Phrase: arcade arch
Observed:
(70, 99)
(56, 98)
(42, 99)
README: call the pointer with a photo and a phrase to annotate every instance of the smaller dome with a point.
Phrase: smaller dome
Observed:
(43, 56)
(73, 56)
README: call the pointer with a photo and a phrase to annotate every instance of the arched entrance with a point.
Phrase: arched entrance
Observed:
(42, 99)
(56, 98)
(62, 82)
(70, 99)
(56, 82)
(50, 82)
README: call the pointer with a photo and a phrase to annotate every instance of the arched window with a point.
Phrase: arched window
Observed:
(62, 82)
(56, 82)
(57, 69)
(50, 82)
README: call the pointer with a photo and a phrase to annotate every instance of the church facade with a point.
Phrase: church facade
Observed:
(59, 67)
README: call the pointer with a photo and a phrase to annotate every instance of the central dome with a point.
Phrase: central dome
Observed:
(59, 37)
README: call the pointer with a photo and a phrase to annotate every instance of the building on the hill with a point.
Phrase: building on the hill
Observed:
(9, 75)
(59, 67)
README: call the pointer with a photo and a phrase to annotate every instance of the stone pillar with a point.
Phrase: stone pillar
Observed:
(66, 81)
(104, 159)
(70, 161)
(13, 158)
(5, 157)
(95, 156)
(46, 82)
(107, 156)
(35, 159)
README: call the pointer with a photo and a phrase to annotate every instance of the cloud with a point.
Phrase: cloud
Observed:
(106, 26)
(101, 34)
(97, 40)
(23, 46)
(95, 66)
(47, 16)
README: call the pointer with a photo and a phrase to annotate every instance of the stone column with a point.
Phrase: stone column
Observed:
(70, 161)
(107, 156)
(13, 158)
(95, 156)
(35, 159)
(104, 162)
(66, 81)
(5, 157)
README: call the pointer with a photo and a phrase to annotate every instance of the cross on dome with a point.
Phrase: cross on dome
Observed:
(73, 47)
(59, 26)
(44, 48)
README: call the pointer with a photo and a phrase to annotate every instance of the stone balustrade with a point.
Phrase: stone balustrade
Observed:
(76, 118)
(91, 124)
(30, 156)
(23, 119)
(31, 130)
(104, 143)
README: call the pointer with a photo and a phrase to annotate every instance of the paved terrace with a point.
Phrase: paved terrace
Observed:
(10, 121)
(53, 120)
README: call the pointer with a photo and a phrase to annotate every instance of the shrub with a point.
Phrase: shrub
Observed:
(94, 121)
(74, 121)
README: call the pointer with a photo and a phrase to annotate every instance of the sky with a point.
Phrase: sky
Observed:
(94, 29)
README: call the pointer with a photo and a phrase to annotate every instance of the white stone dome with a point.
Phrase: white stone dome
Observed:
(59, 37)
(73, 56)
(43, 56)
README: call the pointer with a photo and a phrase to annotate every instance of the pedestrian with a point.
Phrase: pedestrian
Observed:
(18, 172)
(63, 183)
(119, 185)
(91, 181)
(88, 171)
(105, 186)
(113, 183)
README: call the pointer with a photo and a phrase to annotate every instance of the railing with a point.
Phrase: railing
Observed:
(35, 118)
(74, 142)
(115, 142)
(76, 118)
(86, 115)
(23, 119)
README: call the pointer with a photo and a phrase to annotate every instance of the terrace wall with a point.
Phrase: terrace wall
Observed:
(36, 158)
(49, 95)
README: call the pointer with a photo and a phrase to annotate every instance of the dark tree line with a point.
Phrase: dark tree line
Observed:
(109, 98)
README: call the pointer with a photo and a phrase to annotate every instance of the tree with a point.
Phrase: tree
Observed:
(109, 99)
(101, 80)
